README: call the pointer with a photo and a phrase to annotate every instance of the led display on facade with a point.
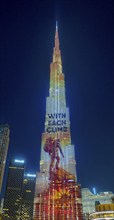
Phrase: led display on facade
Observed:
(57, 192)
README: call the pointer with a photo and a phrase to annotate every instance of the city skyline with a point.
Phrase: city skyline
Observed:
(25, 82)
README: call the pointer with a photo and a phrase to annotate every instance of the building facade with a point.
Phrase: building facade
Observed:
(4, 143)
(28, 196)
(58, 196)
(89, 199)
(13, 193)
(103, 211)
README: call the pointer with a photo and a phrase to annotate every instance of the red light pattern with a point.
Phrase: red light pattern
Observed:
(58, 196)
(61, 201)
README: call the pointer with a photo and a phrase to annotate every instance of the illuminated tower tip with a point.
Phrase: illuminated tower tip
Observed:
(56, 52)
(56, 25)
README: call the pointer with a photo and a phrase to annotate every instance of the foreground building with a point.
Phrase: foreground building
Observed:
(28, 196)
(89, 199)
(4, 143)
(103, 211)
(58, 196)
(13, 193)
(1, 209)
(19, 194)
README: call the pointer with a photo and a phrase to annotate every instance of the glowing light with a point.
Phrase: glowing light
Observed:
(31, 175)
(19, 161)
(57, 195)
(56, 26)
(94, 190)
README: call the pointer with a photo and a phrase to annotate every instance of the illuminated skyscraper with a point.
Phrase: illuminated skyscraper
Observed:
(58, 195)
(4, 143)
(13, 194)
(28, 197)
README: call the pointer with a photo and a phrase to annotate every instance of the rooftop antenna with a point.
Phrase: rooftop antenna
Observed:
(56, 25)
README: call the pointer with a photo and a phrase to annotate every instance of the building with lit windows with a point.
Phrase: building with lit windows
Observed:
(28, 196)
(1, 208)
(4, 143)
(89, 199)
(103, 211)
(13, 193)
(58, 195)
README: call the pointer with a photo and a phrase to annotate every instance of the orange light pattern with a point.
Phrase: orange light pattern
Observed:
(61, 201)
(58, 196)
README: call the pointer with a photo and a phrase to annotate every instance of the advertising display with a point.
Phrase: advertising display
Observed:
(57, 192)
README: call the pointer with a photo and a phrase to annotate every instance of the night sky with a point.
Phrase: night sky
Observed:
(86, 40)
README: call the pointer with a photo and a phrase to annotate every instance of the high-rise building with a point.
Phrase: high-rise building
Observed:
(4, 143)
(89, 199)
(58, 196)
(13, 194)
(28, 196)
(1, 208)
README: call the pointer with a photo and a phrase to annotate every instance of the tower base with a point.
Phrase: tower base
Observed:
(62, 201)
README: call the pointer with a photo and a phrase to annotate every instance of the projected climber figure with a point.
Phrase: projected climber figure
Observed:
(53, 148)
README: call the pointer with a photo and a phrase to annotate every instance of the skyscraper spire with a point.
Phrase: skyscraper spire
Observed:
(56, 52)
(56, 25)
(58, 196)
